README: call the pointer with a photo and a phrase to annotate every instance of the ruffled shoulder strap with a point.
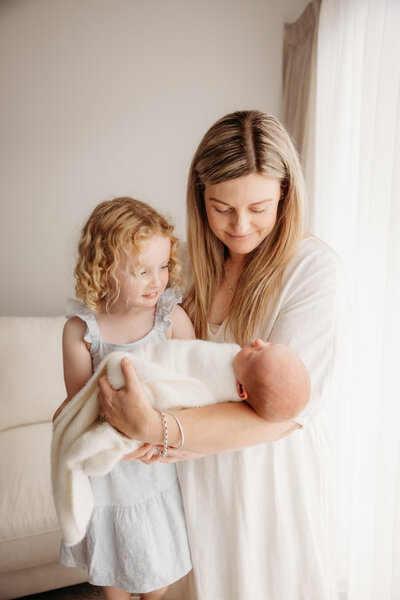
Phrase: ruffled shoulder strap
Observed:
(76, 308)
(165, 305)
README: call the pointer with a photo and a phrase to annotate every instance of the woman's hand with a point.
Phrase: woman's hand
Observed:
(128, 409)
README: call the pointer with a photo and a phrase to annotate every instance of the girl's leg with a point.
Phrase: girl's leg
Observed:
(155, 595)
(114, 593)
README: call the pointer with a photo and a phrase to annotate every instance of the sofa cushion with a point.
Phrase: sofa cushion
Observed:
(31, 376)
(29, 533)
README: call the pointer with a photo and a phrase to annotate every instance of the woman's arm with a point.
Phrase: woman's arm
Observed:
(77, 361)
(211, 429)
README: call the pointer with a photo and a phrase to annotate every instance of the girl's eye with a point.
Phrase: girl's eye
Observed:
(253, 210)
(222, 212)
(164, 267)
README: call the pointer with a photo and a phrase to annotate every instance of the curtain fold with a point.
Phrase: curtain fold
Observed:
(356, 210)
(299, 85)
(354, 189)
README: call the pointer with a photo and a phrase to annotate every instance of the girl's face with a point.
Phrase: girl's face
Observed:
(241, 212)
(144, 276)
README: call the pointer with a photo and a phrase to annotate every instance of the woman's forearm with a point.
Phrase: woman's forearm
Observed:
(219, 428)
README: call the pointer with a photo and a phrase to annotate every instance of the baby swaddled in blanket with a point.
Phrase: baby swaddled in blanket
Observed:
(175, 374)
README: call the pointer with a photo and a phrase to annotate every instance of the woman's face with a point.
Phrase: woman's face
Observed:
(241, 212)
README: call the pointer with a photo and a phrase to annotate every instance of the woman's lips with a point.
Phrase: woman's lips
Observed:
(240, 237)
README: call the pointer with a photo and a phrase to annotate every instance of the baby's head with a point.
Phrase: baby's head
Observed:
(272, 379)
(116, 232)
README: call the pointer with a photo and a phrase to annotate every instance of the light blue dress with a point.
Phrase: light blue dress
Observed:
(136, 539)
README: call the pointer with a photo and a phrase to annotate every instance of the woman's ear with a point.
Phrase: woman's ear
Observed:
(242, 392)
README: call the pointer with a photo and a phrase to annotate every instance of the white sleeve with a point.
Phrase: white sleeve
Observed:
(309, 321)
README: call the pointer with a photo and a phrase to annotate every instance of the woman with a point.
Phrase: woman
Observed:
(258, 519)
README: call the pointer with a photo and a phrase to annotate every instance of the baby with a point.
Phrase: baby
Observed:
(174, 374)
(272, 379)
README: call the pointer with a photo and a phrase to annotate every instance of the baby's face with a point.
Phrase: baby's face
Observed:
(251, 357)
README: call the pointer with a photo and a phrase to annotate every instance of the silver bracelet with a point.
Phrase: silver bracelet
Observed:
(180, 429)
(163, 452)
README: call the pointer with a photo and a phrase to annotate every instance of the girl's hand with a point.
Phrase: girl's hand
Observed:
(148, 454)
(143, 453)
(175, 455)
(128, 409)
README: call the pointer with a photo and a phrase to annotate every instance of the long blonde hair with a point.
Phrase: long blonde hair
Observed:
(115, 229)
(241, 143)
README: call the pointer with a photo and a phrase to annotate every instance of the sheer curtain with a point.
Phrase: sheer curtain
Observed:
(356, 209)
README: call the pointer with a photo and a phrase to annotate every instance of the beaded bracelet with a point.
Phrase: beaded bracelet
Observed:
(163, 452)
(180, 429)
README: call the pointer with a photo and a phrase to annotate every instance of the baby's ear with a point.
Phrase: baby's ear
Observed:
(242, 392)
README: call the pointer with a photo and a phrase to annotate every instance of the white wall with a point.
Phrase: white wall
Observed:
(100, 99)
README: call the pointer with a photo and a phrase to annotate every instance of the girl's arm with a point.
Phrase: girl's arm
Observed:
(77, 361)
(181, 325)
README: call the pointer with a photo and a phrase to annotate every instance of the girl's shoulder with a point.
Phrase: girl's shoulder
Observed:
(76, 308)
(165, 305)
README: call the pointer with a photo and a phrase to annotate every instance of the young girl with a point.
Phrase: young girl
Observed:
(136, 540)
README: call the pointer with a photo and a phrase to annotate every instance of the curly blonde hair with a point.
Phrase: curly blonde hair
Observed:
(241, 143)
(115, 229)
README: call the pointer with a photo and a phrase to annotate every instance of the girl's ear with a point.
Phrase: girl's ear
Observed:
(242, 392)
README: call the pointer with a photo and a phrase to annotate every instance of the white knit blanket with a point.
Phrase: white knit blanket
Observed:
(175, 374)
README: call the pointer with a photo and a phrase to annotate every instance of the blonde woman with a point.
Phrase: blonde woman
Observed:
(258, 505)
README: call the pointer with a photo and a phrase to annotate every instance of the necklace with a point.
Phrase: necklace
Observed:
(230, 287)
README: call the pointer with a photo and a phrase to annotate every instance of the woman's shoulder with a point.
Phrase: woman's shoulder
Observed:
(313, 254)
(313, 248)
(315, 264)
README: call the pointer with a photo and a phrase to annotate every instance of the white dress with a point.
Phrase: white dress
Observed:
(259, 520)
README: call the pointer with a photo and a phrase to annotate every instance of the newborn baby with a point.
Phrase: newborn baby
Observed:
(174, 374)
(272, 379)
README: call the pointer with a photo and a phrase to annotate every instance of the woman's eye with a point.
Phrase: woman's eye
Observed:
(164, 267)
(223, 212)
(261, 210)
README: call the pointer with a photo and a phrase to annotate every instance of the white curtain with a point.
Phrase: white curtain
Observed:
(356, 209)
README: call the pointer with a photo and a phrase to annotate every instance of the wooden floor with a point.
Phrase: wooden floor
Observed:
(83, 591)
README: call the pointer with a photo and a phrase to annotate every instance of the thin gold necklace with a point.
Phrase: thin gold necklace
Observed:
(230, 287)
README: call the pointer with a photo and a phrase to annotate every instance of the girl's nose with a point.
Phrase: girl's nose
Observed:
(155, 278)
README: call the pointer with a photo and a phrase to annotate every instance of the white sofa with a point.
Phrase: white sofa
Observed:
(31, 387)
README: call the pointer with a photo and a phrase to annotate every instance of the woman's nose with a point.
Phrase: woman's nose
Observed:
(240, 223)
